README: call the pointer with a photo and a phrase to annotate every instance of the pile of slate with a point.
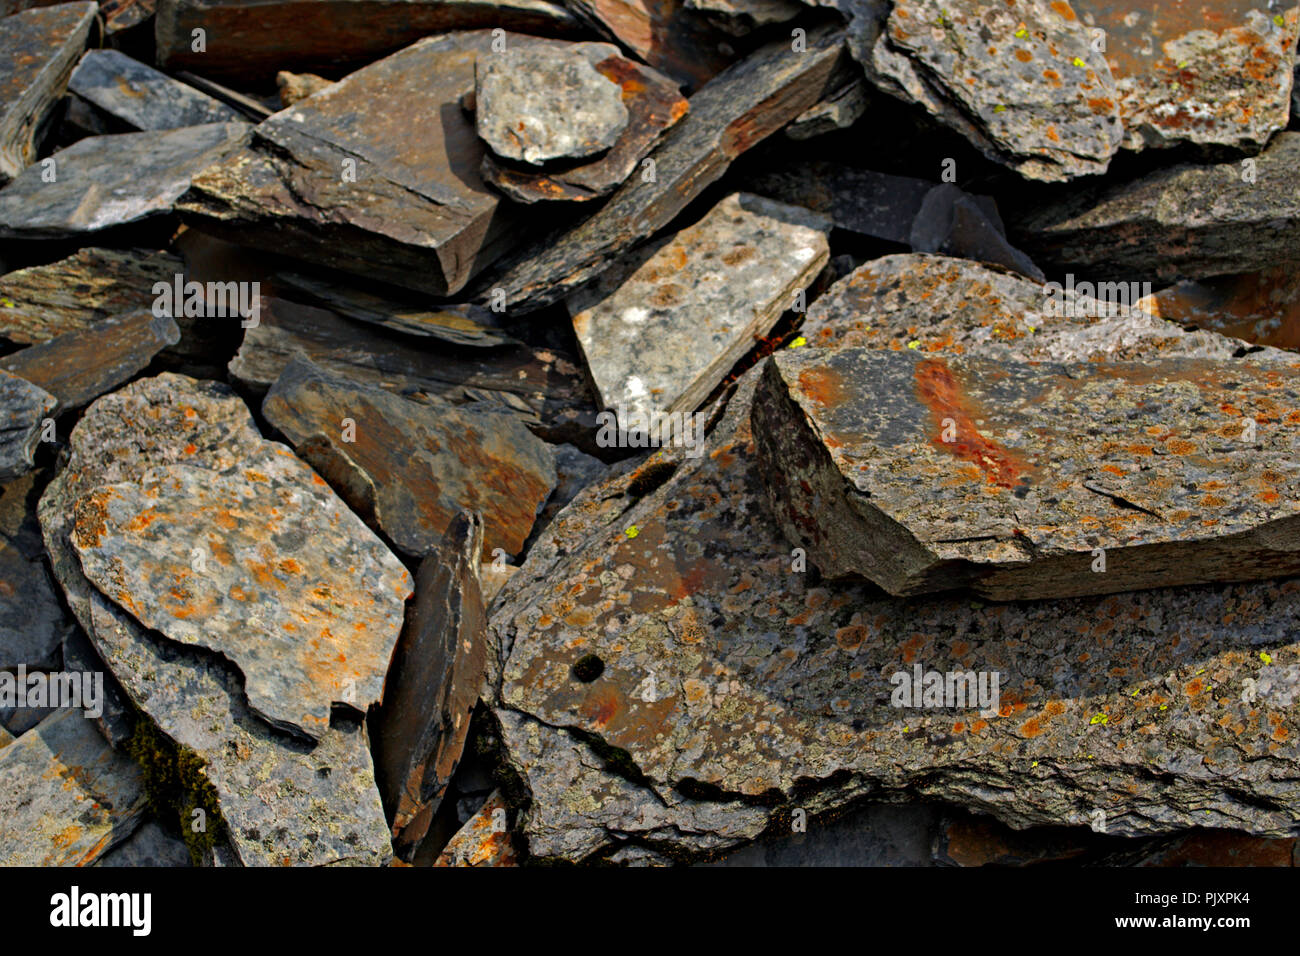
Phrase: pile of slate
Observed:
(491, 432)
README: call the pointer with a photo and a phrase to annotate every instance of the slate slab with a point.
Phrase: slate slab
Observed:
(141, 97)
(33, 624)
(23, 410)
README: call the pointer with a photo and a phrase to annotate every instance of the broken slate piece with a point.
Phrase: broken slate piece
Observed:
(433, 684)
(295, 87)
(23, 410)
(38, 49)
(78, 367)
(33, 624)
(65, 795)
(925, 473)
(676, 41)
(150, 845)
(714, 289)
(840, 109)
(1262, 308)
(412, 466)
(484, 840)
(539, 105)
(262, 564)
(739, 17)
(740, 107)
(108, 181)
(957, 224)
(142, 98)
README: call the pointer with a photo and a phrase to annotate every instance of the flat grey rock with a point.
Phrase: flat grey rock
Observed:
(23, 409)
(33, 624)
(109, 181)
(540, 105)
(141, 97)
(148, 846)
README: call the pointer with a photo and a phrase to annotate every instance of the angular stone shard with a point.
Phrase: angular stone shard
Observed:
(298, 86)
(23, 410)
(66, 796)
(739, 17)
(263, 565)
(713, 289)
(540, 105)
(138, 96)
(38, 49)
(923, 474)
(481, 841)
(285, 803)
(32, 622)
(77, 367)
(1184, 222)
(729, 673)
(1262, 308)
(653, 105)
(412, 466)
(150, 845)
(544, 387)
(108, 181)
(665, 34)
(434, 683)
(1020, 79)
(840, 109)
(738, 108)
(250, 40)
(81, 291)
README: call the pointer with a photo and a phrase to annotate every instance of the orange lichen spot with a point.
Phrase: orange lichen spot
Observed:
(1023, 55)
(1180, 446)
(1063, 8)
(939, 390)
(823, 386)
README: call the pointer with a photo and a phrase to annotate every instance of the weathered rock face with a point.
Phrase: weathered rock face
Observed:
(1259, 307)
(414, 465)
(298, 86)
(434, 683)
(131, 93)
(284, 801)
(740, 107)
(38, 49)
(838, 109)
(481, 841)
(32, 622)
(739, 17)
(108, 181)
(79, 292)
(723, 674)
(1186, 222)
(714, 289)
(666, 34)
(148, 846)
(923, 474)
(97, 802)
(23, 409)
(540, 105)
(77, 367)
(253, 39)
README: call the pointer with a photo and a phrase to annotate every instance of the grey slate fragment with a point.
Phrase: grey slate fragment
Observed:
(141, 97)
(33, 624)
(148, 846)
(434, 683)
(118, 720)
(739, 17)
(1183, 222)
(66, 797)
(840, 109)
(712, 290)
(286, 803)
(955, 223)
(78, 367)
(38, 49)
(109, 181)
(540, 105)
(23, 409)
(574, 471)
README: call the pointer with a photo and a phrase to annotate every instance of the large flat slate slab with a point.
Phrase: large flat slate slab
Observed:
(138, 96)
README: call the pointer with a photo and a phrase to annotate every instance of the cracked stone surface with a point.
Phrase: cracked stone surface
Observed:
(713, 288)
(23, 409)
(142, 98)
(480, 842)
(756, 689)
(38, 50)
(108, 181)
(285, 801)
(540, 105)
(33, 624)
(66, 796)
(414, 465)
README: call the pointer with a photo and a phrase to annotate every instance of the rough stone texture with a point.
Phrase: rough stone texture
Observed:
(286, 802)
(739, 17)
(253, 39)
(653, 105)
(659, 332)
(118, 15)
(262, 564)
(540, 105)
(23, 409)
(140, 97)
(674, 40)
(480, 842)
(416, 214)
(112, 180)
(840, 109)
(434, 683)
(1199, 73)
(38, 49)
(32, 622)
(574, 471)
(79, 292)
(77, 367)
(768, 683)
(295, 87)
(66, 796)
(1020, 79)
(412, 466)
(926, 473)
(148, 846)
(1259, 307)
(544, 387)
(737, 109)
(1183, 222)
(956, 223)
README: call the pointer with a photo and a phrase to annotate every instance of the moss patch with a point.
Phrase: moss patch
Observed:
(175, 786)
